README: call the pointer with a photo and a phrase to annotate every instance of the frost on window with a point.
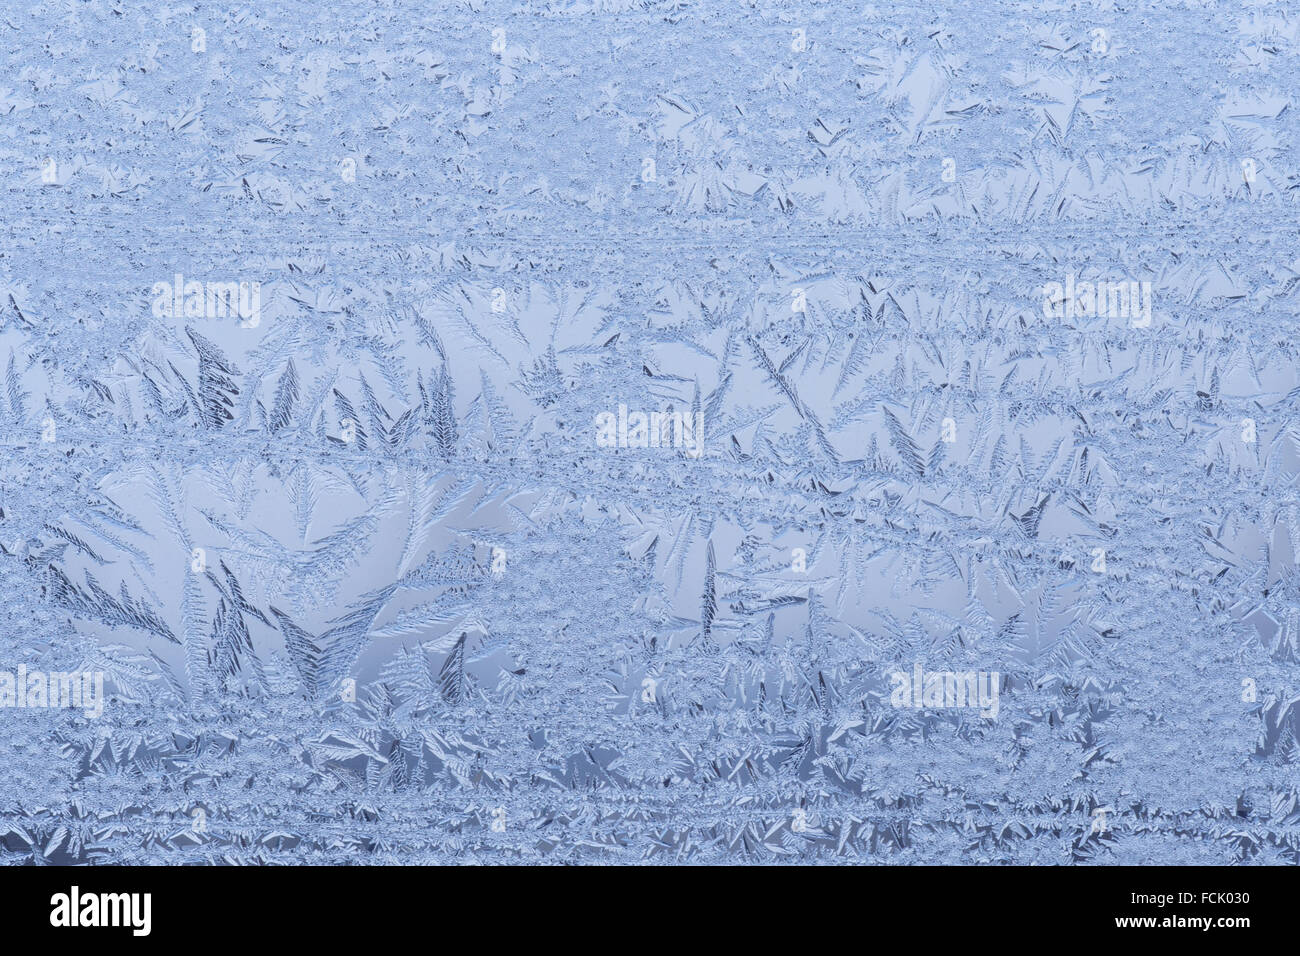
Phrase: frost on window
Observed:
(638, 433)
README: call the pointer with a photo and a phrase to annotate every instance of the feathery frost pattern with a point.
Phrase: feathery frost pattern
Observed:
(626, 432)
